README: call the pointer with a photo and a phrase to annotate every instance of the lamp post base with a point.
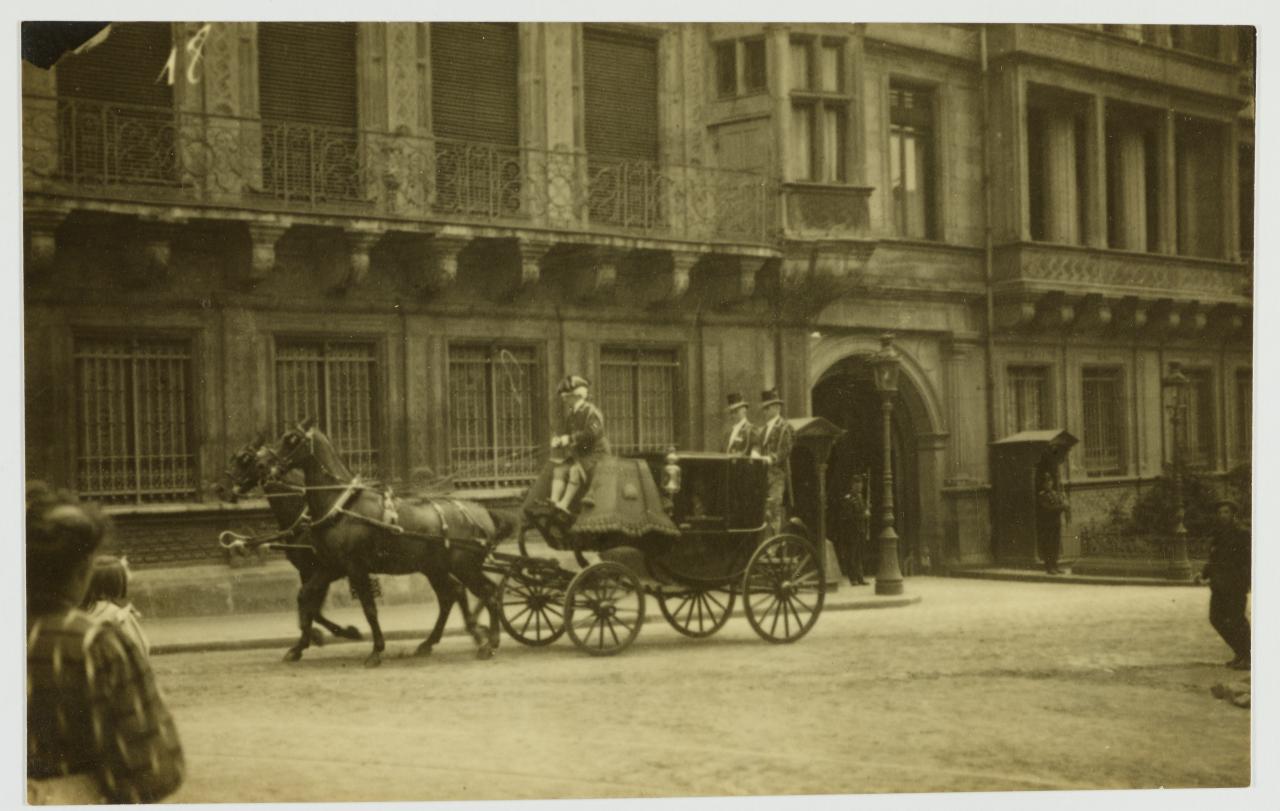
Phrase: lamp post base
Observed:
(888, 574)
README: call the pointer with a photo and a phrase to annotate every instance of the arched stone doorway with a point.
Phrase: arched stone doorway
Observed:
(845, 394)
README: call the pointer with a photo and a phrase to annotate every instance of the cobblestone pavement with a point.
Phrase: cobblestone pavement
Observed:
(982, 686)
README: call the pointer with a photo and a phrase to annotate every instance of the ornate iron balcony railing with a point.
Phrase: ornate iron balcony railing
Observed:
(103, 150)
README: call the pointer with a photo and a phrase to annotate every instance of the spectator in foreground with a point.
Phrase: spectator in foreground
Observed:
(97, 730)
(1229, 572)
(107, 599)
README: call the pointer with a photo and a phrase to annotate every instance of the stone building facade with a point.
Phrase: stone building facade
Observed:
(412, 231)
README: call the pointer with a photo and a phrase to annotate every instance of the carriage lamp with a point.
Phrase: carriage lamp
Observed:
(1177, 385)
(671, 479)
(885, 366)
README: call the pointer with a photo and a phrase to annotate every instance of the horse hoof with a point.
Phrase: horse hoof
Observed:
(292, 655)
(350, 632)
(373, 660)
(317, 638)
(484, 652)
(423, 650)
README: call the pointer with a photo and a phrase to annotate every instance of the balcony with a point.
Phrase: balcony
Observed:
(138, 155)
(1097, 51)
(827, 210)
(1069, 286)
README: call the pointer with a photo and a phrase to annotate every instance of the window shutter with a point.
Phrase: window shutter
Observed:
(474, 83)
(307, 73)
(126, 68)
(621, 95)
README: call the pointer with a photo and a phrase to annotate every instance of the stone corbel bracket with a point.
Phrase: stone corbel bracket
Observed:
(42, 225)
(441, 272)
(150, 259)
(531, 253)
(263, 237)
(360, 244)
(598, 277)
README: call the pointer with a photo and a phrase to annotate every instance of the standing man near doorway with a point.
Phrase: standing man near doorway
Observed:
(740, 435)
(776, 440)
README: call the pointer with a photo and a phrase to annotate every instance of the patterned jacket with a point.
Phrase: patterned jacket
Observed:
(93, 709)
(741, 443)
(776, 441)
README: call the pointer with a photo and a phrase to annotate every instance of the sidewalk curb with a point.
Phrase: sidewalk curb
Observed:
(263, 643)
(1070, 579)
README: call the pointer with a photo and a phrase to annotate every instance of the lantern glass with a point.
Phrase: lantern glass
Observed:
(885, 363)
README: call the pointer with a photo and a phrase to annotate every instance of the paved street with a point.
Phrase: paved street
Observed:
(982, 686)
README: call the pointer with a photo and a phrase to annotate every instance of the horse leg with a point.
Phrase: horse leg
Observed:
(347, 632)
(307, 569)
(309, 598)
(471, 574)
(446, 594)
(364, 591)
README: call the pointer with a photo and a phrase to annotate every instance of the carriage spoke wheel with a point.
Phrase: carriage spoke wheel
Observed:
(531, 607)
(696, 612)
(604, 608)
(783, 589)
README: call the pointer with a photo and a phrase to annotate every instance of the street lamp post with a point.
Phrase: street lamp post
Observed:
(1176, 383)
(885, 365)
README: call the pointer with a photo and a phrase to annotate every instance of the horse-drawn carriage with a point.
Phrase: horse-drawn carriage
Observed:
(696, 544)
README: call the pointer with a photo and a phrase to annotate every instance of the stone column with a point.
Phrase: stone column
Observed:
(1131, 163)
(1061, 197)
(1096, 171)
(1168, 186)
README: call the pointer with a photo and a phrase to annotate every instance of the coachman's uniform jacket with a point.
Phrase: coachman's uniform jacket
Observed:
(584, 425)
(93, 711)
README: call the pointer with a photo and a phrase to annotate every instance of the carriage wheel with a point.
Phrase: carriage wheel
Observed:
(697, 613)
(783, 589)
(604, 608)
(532, 607)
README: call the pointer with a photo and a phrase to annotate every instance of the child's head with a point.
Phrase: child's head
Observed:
(108, 581)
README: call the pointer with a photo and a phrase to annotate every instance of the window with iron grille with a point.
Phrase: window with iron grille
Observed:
(494, 414)
(1244, 415)
(1199, 426)
(336, 383)
(638, 394)
(1028, 393)
(1102, 395)
(911, 134)
(133, 419)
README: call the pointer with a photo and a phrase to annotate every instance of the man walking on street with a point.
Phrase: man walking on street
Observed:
(776, 440)
(1229, 572)
(740, 436)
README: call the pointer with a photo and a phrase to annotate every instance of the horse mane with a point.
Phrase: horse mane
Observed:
(327, 455)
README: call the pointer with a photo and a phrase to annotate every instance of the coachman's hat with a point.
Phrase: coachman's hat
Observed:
(770, 397)
(736, 401)
(572, 382)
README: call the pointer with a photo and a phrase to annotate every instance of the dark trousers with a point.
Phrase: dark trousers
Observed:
(1226, 615)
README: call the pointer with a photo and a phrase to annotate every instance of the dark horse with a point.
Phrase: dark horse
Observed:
(353, 528)
(246, 471)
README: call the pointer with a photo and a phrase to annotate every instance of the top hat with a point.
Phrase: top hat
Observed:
(770, 397)
(572, 382)
(736, 401)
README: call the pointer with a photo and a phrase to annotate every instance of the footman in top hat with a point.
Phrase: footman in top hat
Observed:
(776, 439)
(740, 435)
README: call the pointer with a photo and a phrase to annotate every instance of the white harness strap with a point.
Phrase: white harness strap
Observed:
(389, 512)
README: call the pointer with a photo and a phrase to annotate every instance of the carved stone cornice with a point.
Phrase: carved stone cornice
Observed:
(1078, 270)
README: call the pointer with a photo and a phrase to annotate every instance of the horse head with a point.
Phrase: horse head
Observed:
(244, 471)
(303, 445)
